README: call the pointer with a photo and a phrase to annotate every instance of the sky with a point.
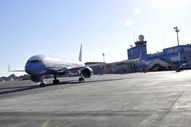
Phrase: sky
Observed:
(59, 27)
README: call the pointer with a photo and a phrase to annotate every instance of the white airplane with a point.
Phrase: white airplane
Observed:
(40, 65)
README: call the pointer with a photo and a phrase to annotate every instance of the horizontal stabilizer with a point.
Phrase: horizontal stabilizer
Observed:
(9, 69)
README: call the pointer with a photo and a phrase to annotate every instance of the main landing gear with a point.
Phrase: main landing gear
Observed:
(42, 84)
(81, 79)
(56, 81)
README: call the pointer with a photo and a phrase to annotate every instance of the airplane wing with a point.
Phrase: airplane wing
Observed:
(9, 69)
(129, 61)
(117, 62)
(126, 61)
(66, 70)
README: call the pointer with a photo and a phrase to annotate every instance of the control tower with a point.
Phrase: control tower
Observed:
(140, 49)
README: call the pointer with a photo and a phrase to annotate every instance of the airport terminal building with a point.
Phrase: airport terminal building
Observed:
(169, 59)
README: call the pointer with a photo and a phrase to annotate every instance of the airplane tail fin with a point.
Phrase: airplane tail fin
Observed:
(80, 54)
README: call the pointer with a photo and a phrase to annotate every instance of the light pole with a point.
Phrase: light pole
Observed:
(178, 30)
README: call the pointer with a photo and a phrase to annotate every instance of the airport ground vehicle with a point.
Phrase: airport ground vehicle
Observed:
(185, 66)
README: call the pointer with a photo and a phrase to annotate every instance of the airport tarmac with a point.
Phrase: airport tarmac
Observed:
(154, 99)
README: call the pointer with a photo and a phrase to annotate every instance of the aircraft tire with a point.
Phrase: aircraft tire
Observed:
(42, 85)
(81, 79)
(56, 81)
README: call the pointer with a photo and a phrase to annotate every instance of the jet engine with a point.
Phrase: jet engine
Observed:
(35, 78)
(86, 72)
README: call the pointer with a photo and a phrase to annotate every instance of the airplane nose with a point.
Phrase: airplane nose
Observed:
(34, 69)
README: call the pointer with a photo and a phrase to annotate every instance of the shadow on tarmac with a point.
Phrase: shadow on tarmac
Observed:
(103, 80)
(17, 89)
(14, 89)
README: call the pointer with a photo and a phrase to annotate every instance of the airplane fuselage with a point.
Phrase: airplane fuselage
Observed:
(42, 64)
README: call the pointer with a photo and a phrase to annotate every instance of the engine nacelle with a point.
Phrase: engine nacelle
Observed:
(35, 78)
(86, 72)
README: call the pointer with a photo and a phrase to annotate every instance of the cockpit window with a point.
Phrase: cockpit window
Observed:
(34, 61)
(28, 61)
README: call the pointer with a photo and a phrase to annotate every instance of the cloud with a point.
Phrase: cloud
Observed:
(128, 22)
(137, 11)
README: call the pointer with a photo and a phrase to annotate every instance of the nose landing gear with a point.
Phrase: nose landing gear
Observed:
(42, 84)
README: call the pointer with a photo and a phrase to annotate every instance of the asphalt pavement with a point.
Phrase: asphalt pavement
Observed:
(154, 99)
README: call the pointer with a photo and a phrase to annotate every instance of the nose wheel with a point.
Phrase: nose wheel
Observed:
(42, 84)
(81, 79)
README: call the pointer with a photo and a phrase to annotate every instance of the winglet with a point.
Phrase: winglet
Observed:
(9, 68)
(80, 54)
